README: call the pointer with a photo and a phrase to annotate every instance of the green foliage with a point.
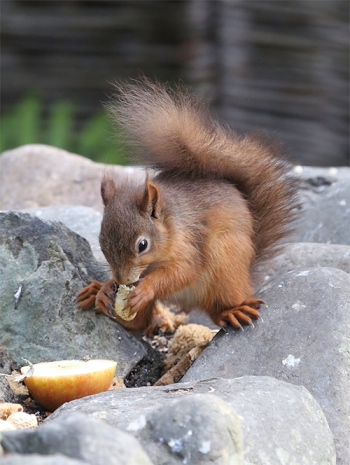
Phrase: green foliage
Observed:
(60, 125)
(27, 124)
(99, 137)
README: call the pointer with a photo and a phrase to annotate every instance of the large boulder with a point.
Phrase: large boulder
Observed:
(53, 177)
(281, 423)
(306, 255)
(326, 205)
(85, 221)
(303, 338)
(81, 439)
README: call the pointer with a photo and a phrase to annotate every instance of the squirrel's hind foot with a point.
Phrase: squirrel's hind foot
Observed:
(243, 314)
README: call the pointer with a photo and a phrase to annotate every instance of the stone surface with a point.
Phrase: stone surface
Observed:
(281, 423)
(318, 175)
(326, 211)
(78, 437)
(36, 459)
(84, 221)
(308, 254)
(52, 177)
(198, 429)
(49, 264)
(6, 394)
(304, 339)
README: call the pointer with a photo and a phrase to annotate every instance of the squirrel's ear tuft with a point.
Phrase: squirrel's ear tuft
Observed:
(151, 200)
(108, 190)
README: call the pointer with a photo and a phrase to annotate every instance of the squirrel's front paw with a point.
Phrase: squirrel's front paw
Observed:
(87, 296)
(243, 314)
(98, 295)
(140, 297)
(105, 297)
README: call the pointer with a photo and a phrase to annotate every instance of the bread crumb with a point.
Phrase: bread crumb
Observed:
(22, 420)
(7, 409)
(117, 383)
(6, 426)
(188, 343)
(189, 336)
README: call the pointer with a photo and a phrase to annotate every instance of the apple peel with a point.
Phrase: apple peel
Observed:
(52, 384)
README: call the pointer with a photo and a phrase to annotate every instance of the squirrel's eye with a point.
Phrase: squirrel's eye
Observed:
(143, 244)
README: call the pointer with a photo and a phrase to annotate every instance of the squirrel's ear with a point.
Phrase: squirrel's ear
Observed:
(151, 200)
(108, 190)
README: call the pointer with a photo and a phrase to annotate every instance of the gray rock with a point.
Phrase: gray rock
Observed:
(46, 264)
(53, 177)
(198, 317)
(194, 429)
(281, 423)
(36, 459)
(6, 394)
(309, 255)
(83, 220)
(304, 339)
(318, 175)
(326, 211)
(78, 437)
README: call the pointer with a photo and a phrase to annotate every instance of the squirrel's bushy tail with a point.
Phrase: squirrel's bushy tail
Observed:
(176, 133)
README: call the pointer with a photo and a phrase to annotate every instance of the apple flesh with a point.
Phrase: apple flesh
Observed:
(54, 383)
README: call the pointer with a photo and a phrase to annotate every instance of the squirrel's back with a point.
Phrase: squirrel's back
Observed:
(176, 134)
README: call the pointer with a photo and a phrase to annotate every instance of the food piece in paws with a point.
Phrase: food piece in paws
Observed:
(121, 301)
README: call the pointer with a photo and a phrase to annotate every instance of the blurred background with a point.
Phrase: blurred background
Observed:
(281, 66)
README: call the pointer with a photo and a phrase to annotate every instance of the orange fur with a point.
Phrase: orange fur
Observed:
(216, 209)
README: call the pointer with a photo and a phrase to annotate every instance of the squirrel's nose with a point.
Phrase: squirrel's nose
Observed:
(122, 278)
(118, 277)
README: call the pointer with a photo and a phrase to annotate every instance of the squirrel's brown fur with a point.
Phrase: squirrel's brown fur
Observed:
(217, 207)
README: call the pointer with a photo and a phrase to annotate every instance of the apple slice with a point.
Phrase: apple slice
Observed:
(54, 383)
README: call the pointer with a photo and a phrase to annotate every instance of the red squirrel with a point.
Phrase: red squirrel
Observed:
(194, 232)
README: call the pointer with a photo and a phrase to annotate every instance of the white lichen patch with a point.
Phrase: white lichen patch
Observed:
(298, 306)
(283, 456)
(303, 273)
(298, 169)
(100, 415)
(176, 445)
(137, 424)
(205, 447)
(291, 361)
